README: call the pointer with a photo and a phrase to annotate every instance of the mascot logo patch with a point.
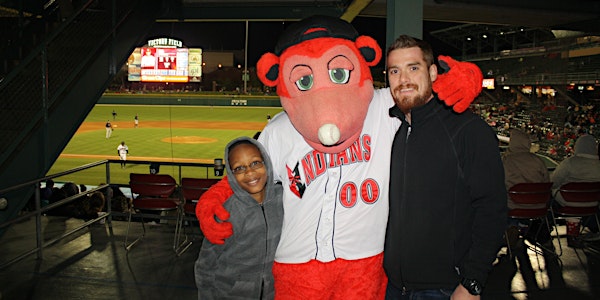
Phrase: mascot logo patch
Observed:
(296, 185)
(315, 164)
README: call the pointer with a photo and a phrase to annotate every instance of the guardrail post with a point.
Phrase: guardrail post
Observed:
(108, 196)
(38, 221)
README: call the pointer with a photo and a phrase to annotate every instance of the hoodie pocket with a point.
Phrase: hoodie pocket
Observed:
(243, 286)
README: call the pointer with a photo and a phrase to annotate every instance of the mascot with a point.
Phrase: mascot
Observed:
(331, 150)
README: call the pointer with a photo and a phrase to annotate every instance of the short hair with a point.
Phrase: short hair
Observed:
(405, 41)
(97, 201)
(242, 142)
(70, 189)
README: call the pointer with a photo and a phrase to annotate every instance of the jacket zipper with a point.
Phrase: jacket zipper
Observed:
(404, 290)
(262, 276)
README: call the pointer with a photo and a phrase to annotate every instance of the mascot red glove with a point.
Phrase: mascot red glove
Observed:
(460, 84)
(210, 208)
(330, 150)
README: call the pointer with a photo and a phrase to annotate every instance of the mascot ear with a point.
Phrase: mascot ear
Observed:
(369, 49)
(267, 69)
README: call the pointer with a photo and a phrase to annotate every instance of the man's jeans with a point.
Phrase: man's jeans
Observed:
(394, 293)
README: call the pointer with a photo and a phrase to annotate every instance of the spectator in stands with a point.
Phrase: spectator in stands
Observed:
(583, 166)
(118, 201)
(67, 210)
(241, 266)
(46, 192)
(522, 166)
(92, 205)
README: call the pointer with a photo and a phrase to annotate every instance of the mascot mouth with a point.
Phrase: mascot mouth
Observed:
(329, 134)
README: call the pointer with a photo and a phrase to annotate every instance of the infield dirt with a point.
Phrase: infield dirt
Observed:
(90, 126)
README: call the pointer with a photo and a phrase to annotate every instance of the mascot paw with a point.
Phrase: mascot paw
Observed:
(214, 231)
(460, 85)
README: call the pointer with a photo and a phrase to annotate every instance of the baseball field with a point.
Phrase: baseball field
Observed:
(165, 134)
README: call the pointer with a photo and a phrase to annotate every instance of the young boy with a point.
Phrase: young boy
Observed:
(241, 268)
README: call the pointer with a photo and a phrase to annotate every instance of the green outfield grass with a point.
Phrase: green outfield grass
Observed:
(158, 125)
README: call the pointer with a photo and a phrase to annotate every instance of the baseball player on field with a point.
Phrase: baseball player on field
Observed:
(123, 150)
(109, 129)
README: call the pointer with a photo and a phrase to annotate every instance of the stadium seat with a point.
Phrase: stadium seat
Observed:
(191, 190)
(155, 193)
(580, 199)
(531, 202)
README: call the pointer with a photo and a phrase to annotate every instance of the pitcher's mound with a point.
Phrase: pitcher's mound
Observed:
(188, 140)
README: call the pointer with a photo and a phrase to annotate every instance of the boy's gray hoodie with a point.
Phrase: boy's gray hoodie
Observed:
(241, 268)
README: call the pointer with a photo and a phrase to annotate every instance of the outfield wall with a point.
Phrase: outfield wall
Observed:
(196, 99)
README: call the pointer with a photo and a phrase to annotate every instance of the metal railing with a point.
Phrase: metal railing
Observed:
(40, 211)
(551, 79)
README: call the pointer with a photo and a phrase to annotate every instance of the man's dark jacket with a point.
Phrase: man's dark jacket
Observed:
(447, 199)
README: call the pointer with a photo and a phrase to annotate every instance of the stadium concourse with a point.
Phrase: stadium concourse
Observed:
(94, 265)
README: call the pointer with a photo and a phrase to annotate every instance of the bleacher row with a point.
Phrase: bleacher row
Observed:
(161, 193)
(553, 127)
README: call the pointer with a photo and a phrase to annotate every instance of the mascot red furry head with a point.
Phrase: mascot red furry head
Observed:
(321, 70)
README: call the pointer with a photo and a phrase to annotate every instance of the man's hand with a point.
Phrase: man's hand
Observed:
(460, 85)
(461, 293)
(210, 208)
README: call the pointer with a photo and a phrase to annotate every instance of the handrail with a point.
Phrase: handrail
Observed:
(51, 206)
(36, 181)
(39, 211)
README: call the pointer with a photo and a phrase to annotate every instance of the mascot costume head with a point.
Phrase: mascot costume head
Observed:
(321, 70)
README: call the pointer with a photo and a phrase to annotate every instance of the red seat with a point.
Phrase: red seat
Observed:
(536, 195)
(531, 201)
(580, 200)
(154, 193)
(584, 196)
(191, 190)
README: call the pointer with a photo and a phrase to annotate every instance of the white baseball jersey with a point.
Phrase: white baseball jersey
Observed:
(336, 205)
(123, 151)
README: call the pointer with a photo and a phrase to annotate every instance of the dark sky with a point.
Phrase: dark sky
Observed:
(227, 36)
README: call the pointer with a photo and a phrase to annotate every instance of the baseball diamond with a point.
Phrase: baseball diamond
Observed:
(196, 134)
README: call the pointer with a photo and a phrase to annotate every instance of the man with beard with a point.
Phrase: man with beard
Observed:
(447, 196)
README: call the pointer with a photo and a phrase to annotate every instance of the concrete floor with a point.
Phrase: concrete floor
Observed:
(93, 264)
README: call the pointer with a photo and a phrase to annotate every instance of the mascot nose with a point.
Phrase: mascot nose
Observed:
(329, 134)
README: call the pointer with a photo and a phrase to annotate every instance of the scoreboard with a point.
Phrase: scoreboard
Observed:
(165, 60)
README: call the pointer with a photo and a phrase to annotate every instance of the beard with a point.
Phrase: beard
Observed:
(407, 102)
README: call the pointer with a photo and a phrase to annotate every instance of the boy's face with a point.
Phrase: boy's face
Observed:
(251, 180)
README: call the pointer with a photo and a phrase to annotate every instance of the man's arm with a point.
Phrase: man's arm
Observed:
(485, 178)
(210, 209)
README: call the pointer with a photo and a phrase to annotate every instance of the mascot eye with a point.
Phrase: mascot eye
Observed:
(339, 75)
(305, 83)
